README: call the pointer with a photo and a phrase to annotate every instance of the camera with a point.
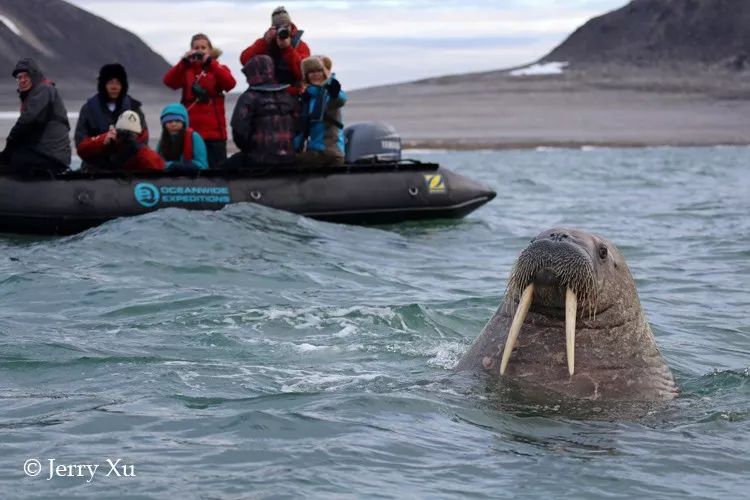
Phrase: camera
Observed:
(201, 94)
(283, 33)
(125, 135)
(196, 56)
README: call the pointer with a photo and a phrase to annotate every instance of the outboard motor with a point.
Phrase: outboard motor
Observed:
(372, 142)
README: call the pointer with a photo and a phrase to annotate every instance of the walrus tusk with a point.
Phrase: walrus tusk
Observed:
(571, 304)
(515, 327)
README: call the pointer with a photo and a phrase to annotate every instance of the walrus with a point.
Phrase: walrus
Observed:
(571, 323)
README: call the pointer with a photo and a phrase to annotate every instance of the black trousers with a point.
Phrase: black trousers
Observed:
(217, 152)
(25, 161)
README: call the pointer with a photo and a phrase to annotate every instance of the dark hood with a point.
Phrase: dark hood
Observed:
(31, 67)
(109, 72)
(259, 70)
(261, 74)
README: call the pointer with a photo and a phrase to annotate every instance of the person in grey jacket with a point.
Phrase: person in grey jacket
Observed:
(39, 139)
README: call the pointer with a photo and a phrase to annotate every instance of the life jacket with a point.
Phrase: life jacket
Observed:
(187, 145)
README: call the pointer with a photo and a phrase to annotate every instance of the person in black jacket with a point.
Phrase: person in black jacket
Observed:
(99, 114)
(39, 139)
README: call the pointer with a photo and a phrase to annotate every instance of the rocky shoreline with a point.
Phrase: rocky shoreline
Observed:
(611, 107)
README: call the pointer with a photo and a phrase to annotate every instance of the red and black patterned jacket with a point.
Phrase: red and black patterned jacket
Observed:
(265, 118)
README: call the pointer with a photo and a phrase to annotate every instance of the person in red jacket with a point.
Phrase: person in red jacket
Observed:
(121, 147)
(203, 82)
(283, 42)
(100, 113)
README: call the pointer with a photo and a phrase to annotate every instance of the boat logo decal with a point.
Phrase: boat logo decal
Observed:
(435, 183)
(146, 194)
(149, 195)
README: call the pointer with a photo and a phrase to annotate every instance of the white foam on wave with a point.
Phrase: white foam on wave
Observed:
(441, 354)
(541, 69)
(303, 348)
(328, 382)
(306, 317)
(10, 24)
(445, 355)
(346, 331)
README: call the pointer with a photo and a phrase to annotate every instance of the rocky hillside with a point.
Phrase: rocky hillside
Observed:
(663, 33)
(70, 43)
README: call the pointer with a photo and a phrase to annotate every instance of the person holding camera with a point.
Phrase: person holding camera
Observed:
(39, 139)
(122, 148)
(283, 43)
(100, 113)
(203, 82)
(320, 142)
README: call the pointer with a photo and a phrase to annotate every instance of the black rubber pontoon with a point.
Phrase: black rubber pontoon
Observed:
(373, 193)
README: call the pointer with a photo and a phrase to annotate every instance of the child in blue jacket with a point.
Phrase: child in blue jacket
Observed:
(321, 138)
(180, 146)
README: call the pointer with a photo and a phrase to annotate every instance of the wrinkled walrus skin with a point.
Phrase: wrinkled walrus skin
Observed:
(608, 352)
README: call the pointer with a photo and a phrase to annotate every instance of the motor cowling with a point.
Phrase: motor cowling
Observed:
(372, 141)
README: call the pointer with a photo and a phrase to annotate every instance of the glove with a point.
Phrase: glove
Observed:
(270, 35)
(334, 88)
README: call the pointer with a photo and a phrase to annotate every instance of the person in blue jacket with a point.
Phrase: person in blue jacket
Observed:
(180, 146)
(320, 142)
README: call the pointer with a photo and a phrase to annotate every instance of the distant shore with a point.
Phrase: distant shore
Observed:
(608, 108)
(497, 111)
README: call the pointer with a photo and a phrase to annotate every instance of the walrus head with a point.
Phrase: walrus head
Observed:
(560, 269)
(571, 323)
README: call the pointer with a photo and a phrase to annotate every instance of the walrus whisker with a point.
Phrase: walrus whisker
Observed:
(515, 327)
(570, 328)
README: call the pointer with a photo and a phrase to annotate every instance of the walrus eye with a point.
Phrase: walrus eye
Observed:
(602, 252)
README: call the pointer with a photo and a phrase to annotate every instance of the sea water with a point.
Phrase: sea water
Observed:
(252, 353)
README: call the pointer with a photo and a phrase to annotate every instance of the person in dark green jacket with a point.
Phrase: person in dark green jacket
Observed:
(39, 139)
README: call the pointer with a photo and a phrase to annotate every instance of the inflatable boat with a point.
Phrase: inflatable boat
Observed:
(373, 189)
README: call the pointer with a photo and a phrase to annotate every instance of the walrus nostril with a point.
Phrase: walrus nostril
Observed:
(558, 236)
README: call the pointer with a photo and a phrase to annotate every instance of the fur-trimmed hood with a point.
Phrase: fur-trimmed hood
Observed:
(109, 72)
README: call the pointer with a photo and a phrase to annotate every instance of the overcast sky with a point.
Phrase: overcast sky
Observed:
(372, 42)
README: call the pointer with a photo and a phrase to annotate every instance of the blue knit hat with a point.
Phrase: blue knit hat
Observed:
(172, 117)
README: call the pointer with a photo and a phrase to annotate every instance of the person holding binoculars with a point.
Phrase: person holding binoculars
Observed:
(283, 43)
(203, 82)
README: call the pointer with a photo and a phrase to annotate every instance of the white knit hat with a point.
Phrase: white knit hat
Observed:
(130, 121)
(280, 17)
